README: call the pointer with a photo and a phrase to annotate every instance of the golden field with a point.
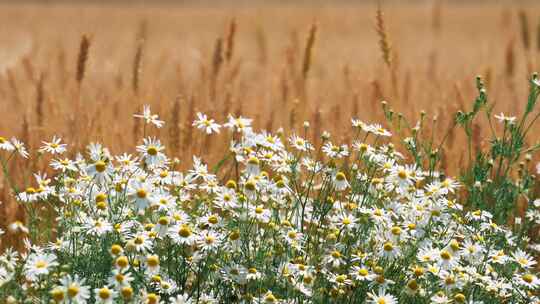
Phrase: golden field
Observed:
(281, 65)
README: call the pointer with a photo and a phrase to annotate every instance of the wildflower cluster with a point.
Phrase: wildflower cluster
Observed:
(281, 220)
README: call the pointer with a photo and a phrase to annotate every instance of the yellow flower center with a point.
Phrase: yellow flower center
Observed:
(152, 151)
(116, 249)
(250, 186)
(213, 219)
(412, 284)
(122, 262)
(184, 231)
(100, 166)
(127, 292)
(41, 264)
(528, 278)
(340, 176)
(141, 193)
(104, 293)
(270, 298)
(388, 246)
(402, 174)
(445, 255)
(73, 290)
(163, 221)
(139, 240)
(292, 234)
(341, 278)
(58, 295)
(460, 298)
(101, 197)
(153, 261)
(209, 239)
(152, 298)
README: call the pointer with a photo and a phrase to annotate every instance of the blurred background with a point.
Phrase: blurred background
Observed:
(81, 69)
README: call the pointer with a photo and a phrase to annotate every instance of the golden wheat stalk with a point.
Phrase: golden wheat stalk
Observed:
(538, 37)
(262, 45)
(82, 58)
(384, 41)
(436, 16)
(137, 66)
(40, 100)
(510, 61)
(217, 58)
(309, 49)
(174, 129)
(229, 50)
(525, 31)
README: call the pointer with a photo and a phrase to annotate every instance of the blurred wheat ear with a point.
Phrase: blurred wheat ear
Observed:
(308, 51)
(137, 65)
(82, 58)
(384, 41)
(525, 30)
(229, 50)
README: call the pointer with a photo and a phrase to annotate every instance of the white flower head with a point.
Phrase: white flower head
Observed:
(150, 118)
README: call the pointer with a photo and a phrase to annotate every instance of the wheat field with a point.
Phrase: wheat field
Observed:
(438, 50)
(80, 72)
(166, 57)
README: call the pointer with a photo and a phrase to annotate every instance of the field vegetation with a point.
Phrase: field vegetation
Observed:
(270, 153)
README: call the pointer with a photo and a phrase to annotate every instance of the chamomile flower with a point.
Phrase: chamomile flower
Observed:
(152, 152)
(6, 144)
(39, 264)
(180, 299)
(528, 280)
(55, 146)
(209, 241)
(334, 151)
(97, 227)
(17, 227)
(105, 295)
(141, 194)
(76, 289)
(381, 297)
(19, 147)
(505, 119)
(209, 126)
(340, 181)
(379, 130)
(523, 259)
(64, 165)
(260, 213)
(183, 234)
(447, 259)
(99, 171)
(150, 118)
(239, 124)
(300, 144)
(362, 273)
